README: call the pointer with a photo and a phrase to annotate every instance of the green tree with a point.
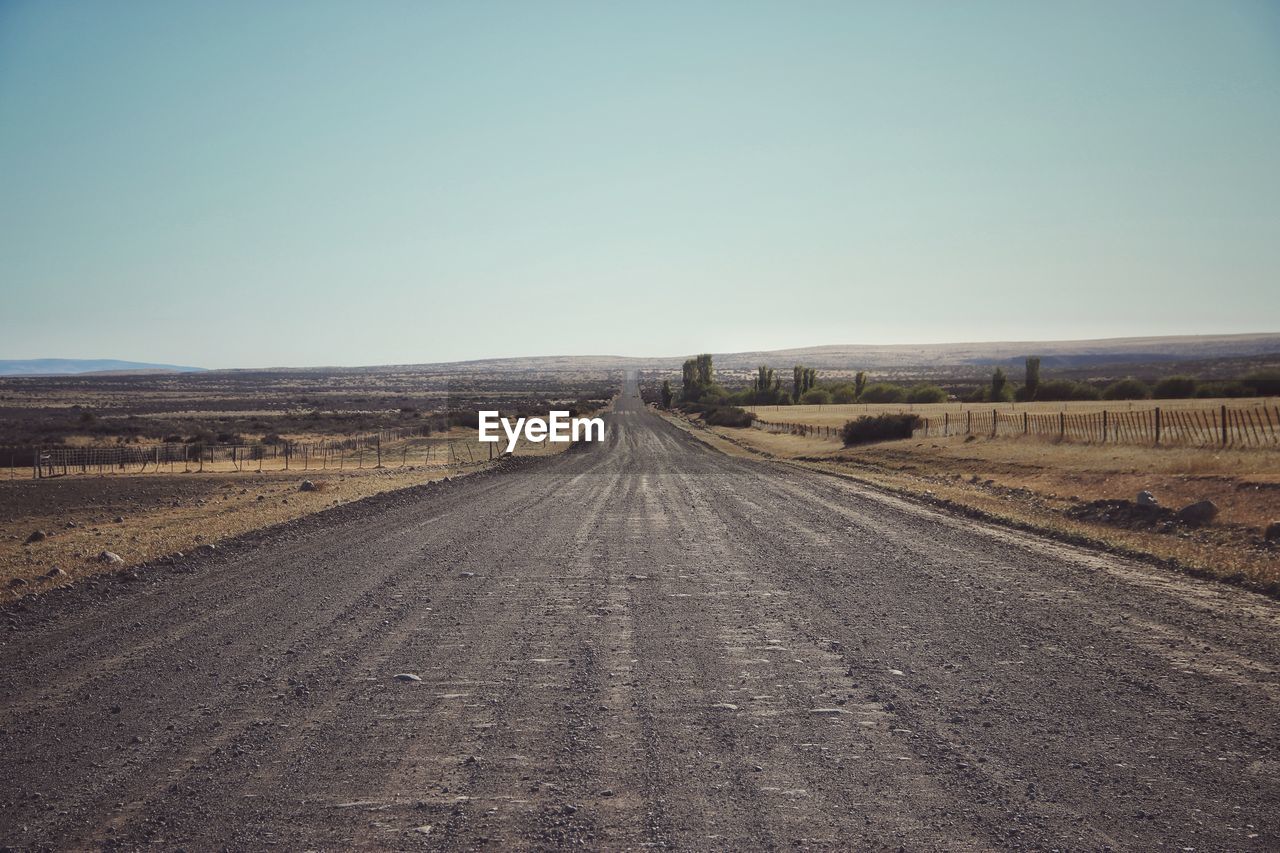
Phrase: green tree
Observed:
(844, 394)
(859, 384)
(699, 379)
(802, 379)
(883, 392)
(1031, 380)
(816, 397)
(1126, 389)
(667, 393)
(765, 382)
(998, 383)
(1175, 388)
(706, 373)
(926, 394)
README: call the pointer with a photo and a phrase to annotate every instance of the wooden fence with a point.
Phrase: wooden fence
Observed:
(1254, 426)
(330, 453)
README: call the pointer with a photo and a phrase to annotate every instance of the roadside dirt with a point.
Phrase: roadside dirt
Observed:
(641, 644)
(143, 517)
(1081, 492)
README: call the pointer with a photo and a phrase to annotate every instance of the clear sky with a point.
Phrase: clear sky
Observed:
(292, 183)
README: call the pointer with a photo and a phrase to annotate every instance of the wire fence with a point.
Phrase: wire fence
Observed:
(386, 448)
(1226, 426)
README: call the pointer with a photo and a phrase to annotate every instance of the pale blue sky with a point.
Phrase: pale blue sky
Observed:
(291, 183)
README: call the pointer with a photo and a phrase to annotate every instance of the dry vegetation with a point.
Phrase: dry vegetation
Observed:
(838, 415)
(1056, 487)
(144, 516)
(229, 407)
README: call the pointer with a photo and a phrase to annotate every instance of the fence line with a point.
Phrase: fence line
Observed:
(1253, 426)
(305, 456)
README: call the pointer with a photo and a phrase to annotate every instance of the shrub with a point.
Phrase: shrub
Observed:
(844, 394)
(926, 394)
(879, 428)
(1235, 389)
(816, 397)
(1264, 383)
(1064, 389)
(1175, 388)
(1126, 389)
(883, 392)
(730, 416)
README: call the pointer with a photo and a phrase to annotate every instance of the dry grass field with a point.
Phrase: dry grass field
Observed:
(1079, 491)
(237, 407)
(146, 516)
(143, 513)
(838, 415)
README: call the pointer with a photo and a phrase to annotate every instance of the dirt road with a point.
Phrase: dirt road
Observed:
(642, 644)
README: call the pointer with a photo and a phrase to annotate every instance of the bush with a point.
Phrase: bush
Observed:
(730, 416)
(844, 394)
(1175, 388)
(1064, 389)
(879, 428)
(1126, 389)
(883, 393)
(1235, 389)
(1264, 383)
(816, 397)
(926, 394)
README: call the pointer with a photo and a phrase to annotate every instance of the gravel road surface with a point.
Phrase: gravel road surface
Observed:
(642, 644)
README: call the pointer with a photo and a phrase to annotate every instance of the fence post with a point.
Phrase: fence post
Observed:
(1157, 426)
(995, 421)
(1026, 423)
(968, 422)
(1104, 426)
(1062, 425)
(1224, 426)
(946, 424)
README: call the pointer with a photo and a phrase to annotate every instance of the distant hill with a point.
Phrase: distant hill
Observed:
(71, 366)
(1054, 353)
(899, 357)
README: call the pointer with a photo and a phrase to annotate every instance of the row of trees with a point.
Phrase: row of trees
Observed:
(700, 387)
(1262, 383)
